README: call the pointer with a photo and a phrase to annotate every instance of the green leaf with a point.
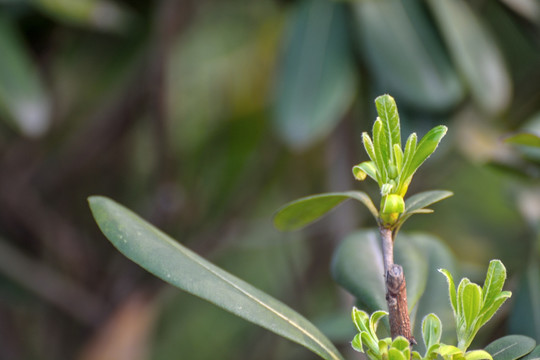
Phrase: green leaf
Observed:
(495, 278)
(488, 312)
(86, 13)
(405, 177)
(316, 78)
(447, 350)
(357, 266)
(388, 113)
(471, 302)
(398, 155)
(524, 139)
(404, 55)
(477, 355)
(426, 198)
(395, 354)
(451, 290)
(533, 355)
(302, 212)
(425, 148)
(374, 320)
(510, 347)
(167, 259)
(360, 319)
(431, 330)
(382, 152)
(416, 204)
(23, 99)
(357, 343)
(475, 52)
(366, 168)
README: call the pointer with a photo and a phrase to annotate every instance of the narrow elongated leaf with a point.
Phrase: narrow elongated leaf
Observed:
(475, 52)
(451, 289)
(86, 13)
(488, 312)
(426, 147)
(23, 99)
(388, 113)
(472, 302)
(382, 153)
(426, 198)
(495, 278)
(524, 139)
(302, 212)
(316, 78)
(167, 259)
(398, 43)
(510, 347)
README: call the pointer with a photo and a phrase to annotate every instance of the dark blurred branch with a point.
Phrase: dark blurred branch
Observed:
(58, 290)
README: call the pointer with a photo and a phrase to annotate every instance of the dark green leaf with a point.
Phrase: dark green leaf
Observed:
(167, 259)
(302, 212)
(525, 139)
(316, 79)
(510, 347)
(23, 99)
(404, 55)
(475, 53)
(533, 355)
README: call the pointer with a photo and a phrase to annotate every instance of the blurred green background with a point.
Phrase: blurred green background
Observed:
(206, 116)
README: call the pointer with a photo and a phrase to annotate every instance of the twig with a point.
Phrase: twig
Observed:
(396, 289)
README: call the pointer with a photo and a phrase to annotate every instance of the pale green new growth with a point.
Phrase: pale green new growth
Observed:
(390, 165)
(473, 305)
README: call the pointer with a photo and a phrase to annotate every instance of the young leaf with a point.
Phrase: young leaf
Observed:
(510, 347)
(472, 302)
(460, 308)
(357, 343)
(398, 156)
(367, 168)
(451, 289)
(382, 152)
(374, 320)
(388, 113)
(477, 355)
(426, 147)
(405, 177)
(170, 261)
(495, 278)
(431, 330)
(302, 212)
(488, 312)
(395, 354)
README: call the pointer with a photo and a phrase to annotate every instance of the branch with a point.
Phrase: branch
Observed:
(396, 289)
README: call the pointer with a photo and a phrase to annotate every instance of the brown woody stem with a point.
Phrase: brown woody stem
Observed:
(396, 292)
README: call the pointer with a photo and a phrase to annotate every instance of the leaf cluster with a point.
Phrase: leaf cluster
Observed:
(473, 305)
(391, 166)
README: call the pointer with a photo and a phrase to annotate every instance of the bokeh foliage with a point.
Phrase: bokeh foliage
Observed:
(207, 116)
